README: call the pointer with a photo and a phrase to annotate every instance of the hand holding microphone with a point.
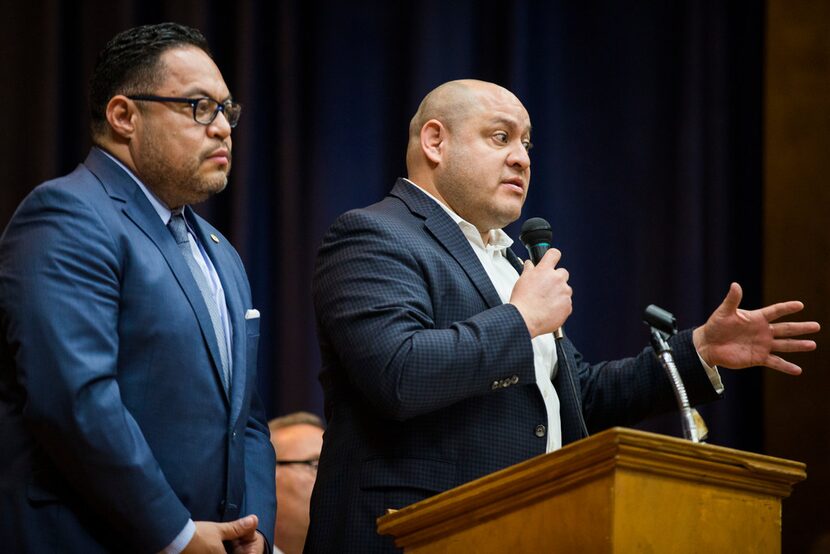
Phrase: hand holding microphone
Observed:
(542, 294)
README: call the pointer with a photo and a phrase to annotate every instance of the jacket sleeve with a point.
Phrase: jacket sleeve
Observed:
(59, 288)
(626, 391)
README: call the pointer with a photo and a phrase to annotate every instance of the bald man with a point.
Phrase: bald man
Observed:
(439, 365)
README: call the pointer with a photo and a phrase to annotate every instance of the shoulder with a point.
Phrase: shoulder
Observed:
(390, 210)
(80, 187)
(75, 206)
(390, 221)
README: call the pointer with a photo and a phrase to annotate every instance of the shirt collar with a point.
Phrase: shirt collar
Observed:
(163, 211)
(498, 240)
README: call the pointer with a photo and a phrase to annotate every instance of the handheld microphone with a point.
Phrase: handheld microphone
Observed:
(537, 235)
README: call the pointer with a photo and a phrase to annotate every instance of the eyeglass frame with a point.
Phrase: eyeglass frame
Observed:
(220, 106)
(313, 464)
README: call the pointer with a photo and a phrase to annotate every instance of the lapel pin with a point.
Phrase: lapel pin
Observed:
(214, 238)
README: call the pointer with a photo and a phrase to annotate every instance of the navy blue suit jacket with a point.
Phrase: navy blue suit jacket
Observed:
(413, 337)
(114, 423)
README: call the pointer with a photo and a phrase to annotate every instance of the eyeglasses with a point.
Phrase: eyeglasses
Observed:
(313, 464)
(205, 109)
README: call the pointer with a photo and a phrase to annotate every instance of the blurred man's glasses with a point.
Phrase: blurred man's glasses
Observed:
(205, 109)
(308, 463)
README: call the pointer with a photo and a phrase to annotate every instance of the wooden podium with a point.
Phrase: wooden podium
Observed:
(618, 491)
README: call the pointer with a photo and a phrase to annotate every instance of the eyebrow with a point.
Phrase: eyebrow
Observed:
(203, 92)
(509, 123)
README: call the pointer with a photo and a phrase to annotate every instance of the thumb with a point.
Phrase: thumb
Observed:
(733, 298)
(238, 528)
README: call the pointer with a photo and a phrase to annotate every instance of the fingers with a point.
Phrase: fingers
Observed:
(551, 258)
(790, 345)
(794, 328)
(238, 528)
(733, 298)
(775, 311)
(780, 364)
(254, 545)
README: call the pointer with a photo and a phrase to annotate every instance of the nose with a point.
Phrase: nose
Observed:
(219, 127)
(518, 157)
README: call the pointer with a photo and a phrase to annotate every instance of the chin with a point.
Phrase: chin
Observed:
(214, 184)
(510, 216)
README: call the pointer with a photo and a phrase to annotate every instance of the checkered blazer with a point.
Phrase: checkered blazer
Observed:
(428, 377)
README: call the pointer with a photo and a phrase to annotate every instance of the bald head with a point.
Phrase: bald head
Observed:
(451, 103)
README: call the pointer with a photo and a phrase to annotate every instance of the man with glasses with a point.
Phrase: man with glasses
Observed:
(127, 412)
(297, 439)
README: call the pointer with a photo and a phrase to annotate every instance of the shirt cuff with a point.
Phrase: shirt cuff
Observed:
(182, 539)
(712, 373)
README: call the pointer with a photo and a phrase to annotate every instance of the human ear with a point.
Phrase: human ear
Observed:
(121, 113)
(433, 136)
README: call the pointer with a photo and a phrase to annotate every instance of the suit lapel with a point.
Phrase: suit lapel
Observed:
(121, 187)
(446, 232)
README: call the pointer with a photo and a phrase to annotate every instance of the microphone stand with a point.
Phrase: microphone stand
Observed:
(662, 325)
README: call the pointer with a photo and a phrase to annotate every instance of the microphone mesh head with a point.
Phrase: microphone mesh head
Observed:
(535, 231)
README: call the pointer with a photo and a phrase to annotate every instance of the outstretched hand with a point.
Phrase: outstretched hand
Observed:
(737, 338)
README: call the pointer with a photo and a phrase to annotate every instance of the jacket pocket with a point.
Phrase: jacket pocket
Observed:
(409, 473)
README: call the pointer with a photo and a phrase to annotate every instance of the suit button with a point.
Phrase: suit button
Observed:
(495, 385)
(514, 379)
(233, 435)
(540, 431)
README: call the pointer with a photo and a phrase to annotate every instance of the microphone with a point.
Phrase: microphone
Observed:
(537, 235)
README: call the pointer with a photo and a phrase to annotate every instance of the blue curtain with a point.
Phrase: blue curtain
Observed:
(647, 158)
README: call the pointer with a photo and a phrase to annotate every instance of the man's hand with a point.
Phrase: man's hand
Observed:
(738, 338)
(542, 295)
(210, 534)
(250, 545)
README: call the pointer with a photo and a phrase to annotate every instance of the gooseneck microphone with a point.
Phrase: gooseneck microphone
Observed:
(537, 236)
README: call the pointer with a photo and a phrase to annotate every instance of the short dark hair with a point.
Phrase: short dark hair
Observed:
(128, 64)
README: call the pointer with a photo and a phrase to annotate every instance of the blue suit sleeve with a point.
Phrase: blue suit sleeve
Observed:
(60, 288)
